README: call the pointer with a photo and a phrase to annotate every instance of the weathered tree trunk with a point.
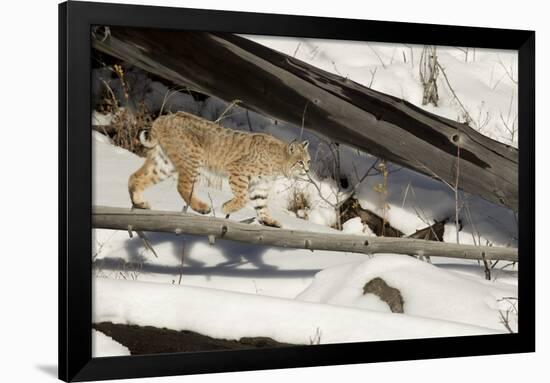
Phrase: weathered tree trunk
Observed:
(232, 67)
(182, 223)
(352, 208)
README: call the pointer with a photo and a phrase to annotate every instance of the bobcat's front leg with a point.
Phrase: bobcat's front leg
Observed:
(258, 193)
(239, 187)
(185, 188)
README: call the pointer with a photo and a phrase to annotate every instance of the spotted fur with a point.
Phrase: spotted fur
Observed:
(182, 144)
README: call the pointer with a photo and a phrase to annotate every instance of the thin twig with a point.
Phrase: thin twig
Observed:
(469, 118)
(182, 261)
(336, 69)
(303, 120)
(212, 205)
(434, 174)
(504, 319)
(372, 74)
(146, 242)
(249, 122)
(345, 195)
(487, 266)
(456, 188)
(470, 218)
(231, 105)
(510, 73)
(392, 56)
(169, 93)
(377, 55)
(296, 50)
(111, 93)
(422, 215)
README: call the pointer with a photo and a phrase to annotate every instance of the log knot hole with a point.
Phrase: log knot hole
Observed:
(390, 295)
(223, 231)
(101, 33)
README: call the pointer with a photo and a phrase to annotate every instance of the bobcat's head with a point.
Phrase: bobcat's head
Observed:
(298, 158)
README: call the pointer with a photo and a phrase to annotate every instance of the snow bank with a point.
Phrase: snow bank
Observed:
(427, 290)
(230, 315)
(353, 226)
(103, 345)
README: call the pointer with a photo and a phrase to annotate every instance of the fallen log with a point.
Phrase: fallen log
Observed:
(217, 228)
(274, 84)
(351, 208)
(433, 232)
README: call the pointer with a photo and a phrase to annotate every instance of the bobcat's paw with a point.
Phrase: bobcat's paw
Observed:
(202, 208)
(270, 222)
(233, 205)
(141, 205)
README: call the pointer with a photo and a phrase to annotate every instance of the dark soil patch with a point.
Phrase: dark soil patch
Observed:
(388, 294)
(151, 340)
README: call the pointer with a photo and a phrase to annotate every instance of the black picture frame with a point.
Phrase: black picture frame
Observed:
(75, 274)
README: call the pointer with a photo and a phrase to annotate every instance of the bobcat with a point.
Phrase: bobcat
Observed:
(183, 143)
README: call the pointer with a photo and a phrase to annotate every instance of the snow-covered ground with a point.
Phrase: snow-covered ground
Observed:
(103, 345)
(230, 290)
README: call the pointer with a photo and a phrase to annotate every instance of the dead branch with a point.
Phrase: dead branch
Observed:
(178, 223)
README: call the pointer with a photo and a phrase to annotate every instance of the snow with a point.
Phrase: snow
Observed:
(353, 226)
(103, 345)
(427, 290)
(300, 296)
(101, 119)
(266, 289)
(228, 315)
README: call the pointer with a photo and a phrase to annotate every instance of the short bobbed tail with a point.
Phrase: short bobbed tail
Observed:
(146, 139)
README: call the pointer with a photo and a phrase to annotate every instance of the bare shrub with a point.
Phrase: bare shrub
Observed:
(299, 203)
(126, 123)
(126, 126)
(429, 70)
(316, 338)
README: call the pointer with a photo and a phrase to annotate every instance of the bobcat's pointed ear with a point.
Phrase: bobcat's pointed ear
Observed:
(292, 147)
(305, 144)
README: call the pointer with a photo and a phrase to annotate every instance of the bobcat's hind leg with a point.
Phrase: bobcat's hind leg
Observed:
(148, 175)
(258, 193)
(239, 187)
(187, 175)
